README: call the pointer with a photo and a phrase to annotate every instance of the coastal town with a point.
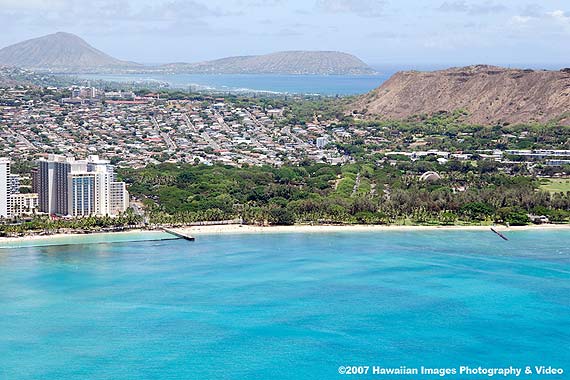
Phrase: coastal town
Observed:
(136, 130)
(284, 190)
(62, 186)
(63, 146)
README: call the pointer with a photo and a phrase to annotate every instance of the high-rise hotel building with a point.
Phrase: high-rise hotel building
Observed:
(5, 188)
(72, 187)
(53, 182)
(12, 202)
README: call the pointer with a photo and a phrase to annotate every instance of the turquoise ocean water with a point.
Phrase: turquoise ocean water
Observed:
(246, 83)
(284, 306)
(329, 85)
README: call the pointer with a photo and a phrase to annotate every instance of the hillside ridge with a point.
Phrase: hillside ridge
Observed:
(489, 94)
(284, 62)
(69, 53)
(58, 51)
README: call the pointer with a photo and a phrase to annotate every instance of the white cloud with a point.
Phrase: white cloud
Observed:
(363, 8)
(542, 21)
(31, 4)
(476, 8)
(101, 17)
(560, 16)
(521, 20)
(532, 10)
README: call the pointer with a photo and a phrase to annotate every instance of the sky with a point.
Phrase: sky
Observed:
(380, 32)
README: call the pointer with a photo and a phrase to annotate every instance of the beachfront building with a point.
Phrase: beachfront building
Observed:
(82, 194)
(5, 207)
(103, 176)
(72, 187)
(118, 198)
(14, 183)
(24, 204)
(53, 182)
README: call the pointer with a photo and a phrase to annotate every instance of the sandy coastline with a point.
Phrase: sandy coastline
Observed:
(49, 238)
(239, 229)
(245, 229)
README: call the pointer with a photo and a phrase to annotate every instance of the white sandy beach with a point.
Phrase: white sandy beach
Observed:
(243, 229)
(246, 229)
(50, 238)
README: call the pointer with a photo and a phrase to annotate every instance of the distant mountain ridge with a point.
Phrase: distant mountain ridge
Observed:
(69, 53)
(285, 62)
(58, 51)
(489, 94)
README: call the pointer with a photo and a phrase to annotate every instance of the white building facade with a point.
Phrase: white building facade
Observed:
(70, 187)
(322, 142)
(5, 187)
(81, 194)
(24, 204)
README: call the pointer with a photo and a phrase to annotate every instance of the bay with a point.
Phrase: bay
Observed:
(329, 85)
(283, 306)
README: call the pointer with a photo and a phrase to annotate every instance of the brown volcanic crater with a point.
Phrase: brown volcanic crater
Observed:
(489, 94)
(58, 51)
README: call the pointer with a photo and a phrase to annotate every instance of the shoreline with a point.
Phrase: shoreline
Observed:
(247, 229)
(235, 229)
(67, 235)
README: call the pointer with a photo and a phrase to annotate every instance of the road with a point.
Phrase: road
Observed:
(171, 144)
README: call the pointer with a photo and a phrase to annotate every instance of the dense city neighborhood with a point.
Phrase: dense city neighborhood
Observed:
(137, 130)
(133, 131)
(90, 146)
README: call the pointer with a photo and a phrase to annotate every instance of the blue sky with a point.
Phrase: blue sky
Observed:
(408, 32)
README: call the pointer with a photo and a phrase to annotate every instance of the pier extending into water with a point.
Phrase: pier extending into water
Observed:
(179, 234)
(499, 234)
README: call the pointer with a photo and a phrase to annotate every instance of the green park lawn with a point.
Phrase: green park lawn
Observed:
(556, 185)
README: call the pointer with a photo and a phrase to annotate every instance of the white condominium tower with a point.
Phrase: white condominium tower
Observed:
(82, 194)
(12, 203)
(5, 207)
(111, 197)
(53, 182)
(72, 187)
(103, 175)
(118, 198)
